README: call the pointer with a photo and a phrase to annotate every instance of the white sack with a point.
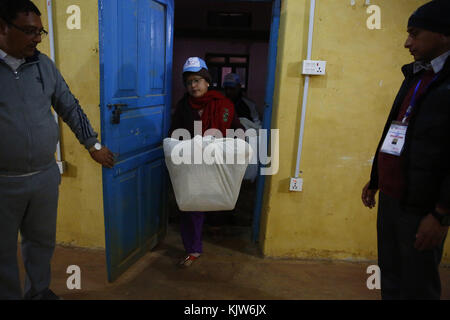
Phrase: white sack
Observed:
(252, 170)
(208, 184)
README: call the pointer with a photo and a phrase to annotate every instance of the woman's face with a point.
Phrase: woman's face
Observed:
(196, 86)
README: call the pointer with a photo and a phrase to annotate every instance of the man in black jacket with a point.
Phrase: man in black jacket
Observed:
(412, 164)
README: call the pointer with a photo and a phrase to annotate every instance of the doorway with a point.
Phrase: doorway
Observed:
(135, 191)
(239, 37)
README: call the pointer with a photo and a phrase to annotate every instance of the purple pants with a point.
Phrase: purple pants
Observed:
(191, 231)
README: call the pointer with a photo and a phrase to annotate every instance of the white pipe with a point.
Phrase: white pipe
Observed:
(306, 88)
(50, 29)
(52, 56)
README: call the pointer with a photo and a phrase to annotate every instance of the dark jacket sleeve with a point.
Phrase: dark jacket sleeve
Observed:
(444, 196)
(182, 117)
(444, 199)
(176, 119)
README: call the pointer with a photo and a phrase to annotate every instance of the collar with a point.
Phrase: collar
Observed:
(436, 64)
(4, 56)
(33, 58)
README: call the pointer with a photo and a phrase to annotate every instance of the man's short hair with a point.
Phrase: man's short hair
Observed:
(9, 9)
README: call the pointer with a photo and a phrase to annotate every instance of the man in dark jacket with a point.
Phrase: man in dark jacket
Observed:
(412, 164)
(30, 84)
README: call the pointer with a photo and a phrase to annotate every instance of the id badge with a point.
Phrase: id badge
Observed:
(395, 139)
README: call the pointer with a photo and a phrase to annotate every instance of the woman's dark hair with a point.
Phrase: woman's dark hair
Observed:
(9, 9)
(202, 73)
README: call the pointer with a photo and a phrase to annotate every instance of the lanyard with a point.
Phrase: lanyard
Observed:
(413, 99)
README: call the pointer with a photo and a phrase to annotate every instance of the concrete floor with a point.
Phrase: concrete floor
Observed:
(230, 269)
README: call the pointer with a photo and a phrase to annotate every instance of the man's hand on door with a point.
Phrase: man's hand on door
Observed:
(104, 156)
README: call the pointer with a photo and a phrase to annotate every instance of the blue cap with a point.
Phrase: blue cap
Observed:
(194, 64)
(231, 80)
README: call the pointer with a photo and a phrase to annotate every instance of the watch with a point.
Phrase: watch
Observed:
(96, 147)
(444, 219)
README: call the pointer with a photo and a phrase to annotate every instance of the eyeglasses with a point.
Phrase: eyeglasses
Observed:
(30, 32)
(193, 81)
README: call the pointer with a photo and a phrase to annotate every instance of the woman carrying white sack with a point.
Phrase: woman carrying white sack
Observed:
(215, 111)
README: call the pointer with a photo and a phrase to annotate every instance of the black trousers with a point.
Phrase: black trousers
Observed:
(406, 273)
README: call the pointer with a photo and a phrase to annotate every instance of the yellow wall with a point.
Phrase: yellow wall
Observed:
(345, 116)
(80, 213)
(346, 111)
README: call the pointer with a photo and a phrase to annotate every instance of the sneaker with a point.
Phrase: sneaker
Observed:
(187, 261)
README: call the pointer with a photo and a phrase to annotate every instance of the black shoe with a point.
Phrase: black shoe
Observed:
(46, 295)
(50, 295)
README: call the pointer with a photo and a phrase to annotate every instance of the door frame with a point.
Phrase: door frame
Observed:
(268, 108)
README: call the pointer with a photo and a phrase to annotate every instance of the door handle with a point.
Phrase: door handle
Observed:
(116, 112)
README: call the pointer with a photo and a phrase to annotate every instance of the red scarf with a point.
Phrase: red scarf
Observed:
(218, 111)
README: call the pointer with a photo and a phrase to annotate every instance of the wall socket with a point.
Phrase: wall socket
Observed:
(313, 67)
(62, 166)
(296, 184)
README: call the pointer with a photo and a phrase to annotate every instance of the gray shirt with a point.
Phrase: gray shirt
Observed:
(29, 133)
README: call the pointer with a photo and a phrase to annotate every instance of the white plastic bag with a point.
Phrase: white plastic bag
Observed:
(252, 170)
(202, 172)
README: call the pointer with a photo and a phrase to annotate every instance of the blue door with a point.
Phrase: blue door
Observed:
(135, 74)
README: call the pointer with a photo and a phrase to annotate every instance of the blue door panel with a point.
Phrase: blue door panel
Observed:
(158, 48)
(126, 213)
(130, 213)
(155, 53)
(135, 71)
(126, 38)
(128, 45)
(145, 101)
(141, 128)
(137, 160)
(153, 176)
